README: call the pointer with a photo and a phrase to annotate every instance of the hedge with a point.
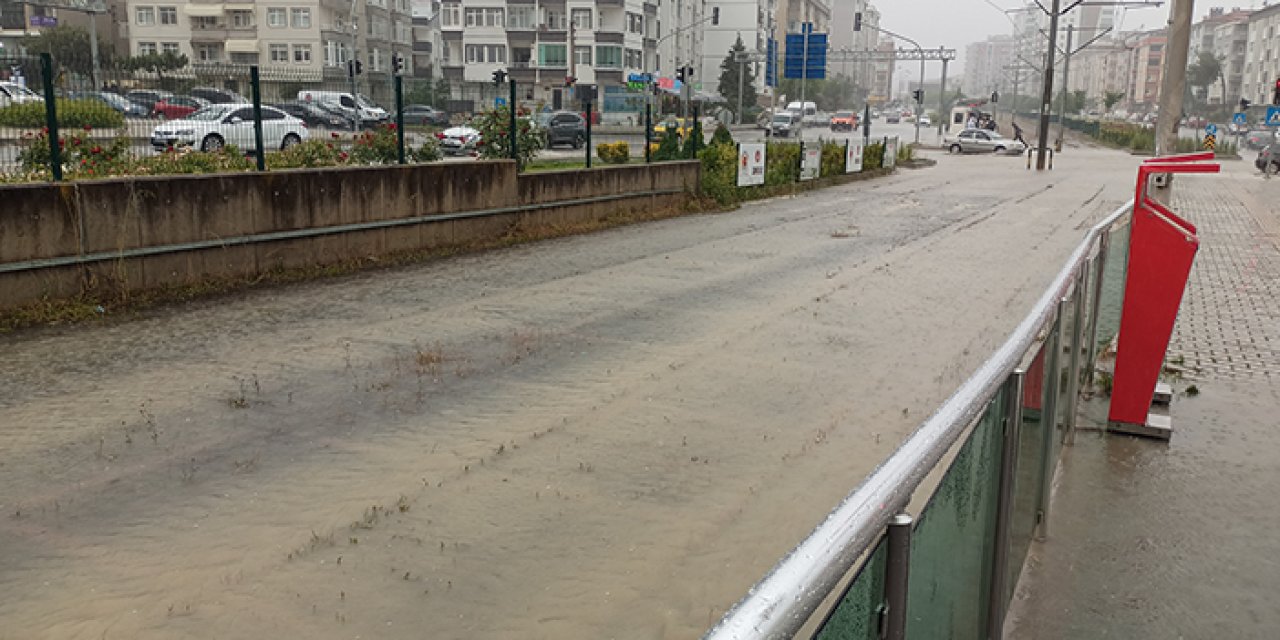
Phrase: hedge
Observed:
(71, 113)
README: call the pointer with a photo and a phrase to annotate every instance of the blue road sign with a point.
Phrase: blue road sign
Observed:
(1273, 117)
(1240, 118)
(771, 63)
(499, 102)
(1211, 129)
(806, 55)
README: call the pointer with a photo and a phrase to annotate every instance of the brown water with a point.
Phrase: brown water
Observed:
(605, 436)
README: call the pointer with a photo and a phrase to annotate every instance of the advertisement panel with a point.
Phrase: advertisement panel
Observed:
(751, 159)
(890, 152)
(853, 156)
(811, 163)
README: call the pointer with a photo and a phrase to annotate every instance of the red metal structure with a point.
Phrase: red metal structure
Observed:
(1162, 247)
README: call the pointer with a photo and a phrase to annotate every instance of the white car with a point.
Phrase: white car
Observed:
(983, 141)
(457, 141)
(14, 93)
(925, 121)
(218, 125)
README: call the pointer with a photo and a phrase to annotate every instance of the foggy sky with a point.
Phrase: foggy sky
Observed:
(956, 23)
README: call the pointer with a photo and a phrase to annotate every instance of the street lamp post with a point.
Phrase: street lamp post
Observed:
(858, 24)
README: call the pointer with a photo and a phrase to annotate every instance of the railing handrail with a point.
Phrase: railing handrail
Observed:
(783, 601)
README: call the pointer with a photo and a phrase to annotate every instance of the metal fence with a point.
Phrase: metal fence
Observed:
(950, 571)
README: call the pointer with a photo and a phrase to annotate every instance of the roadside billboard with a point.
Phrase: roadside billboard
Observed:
(811, 163)
(853, 156)
(890, 152)
(751, 159)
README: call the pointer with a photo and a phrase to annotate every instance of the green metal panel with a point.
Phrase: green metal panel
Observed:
(857, 615)
(1112, 296)
(952, 548)
(1030, 468)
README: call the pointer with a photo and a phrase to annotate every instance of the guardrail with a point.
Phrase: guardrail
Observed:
(950, 572)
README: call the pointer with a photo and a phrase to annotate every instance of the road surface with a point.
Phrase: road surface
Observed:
(606, 436)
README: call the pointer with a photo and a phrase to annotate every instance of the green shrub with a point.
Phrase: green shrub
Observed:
(668, 148)
(379, 146)
(906, 153)
(722, 135)
(81, 154)
(494, 127)
(873, 155)
(187, 161)
(614, 153)
(71, 113)
(428, 152)
(782, 163)
(695, 143)
(312, 153)
(833, 155)
(720, 173)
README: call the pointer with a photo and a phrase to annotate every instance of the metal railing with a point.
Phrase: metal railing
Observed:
(979, 519)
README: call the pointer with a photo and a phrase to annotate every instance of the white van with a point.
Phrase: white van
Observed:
(356, 107)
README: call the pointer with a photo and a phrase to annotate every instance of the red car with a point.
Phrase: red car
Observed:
(175, 107)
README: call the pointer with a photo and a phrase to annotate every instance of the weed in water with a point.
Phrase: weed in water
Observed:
(1193, 390)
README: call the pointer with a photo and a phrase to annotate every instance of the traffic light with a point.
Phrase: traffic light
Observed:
(680, 74)
(918, 94)
(857, 21)
(715, 15)
(397, 64)
(1244, 104)
(499, 77)
(995, 96)
(1275, 98)
(354, 68)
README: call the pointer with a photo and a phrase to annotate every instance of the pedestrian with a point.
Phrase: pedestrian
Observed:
(1017, 134)
(991, 124)
(973, 122)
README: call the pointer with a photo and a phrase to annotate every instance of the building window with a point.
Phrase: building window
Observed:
(582, 55)
(478, 17)
(169, 15)
(300, 18)
(170, 47)
(375, 59)
(450, 15)
(635, 23)
(608, 56)
(244, 58)
(581, 19)
(145, 16)
(242, 19)
(555, 20)
(275, 17)
(279, 53)
(302, 53)
(207, 53)
(634, 59)
(552, 55)
(203, 22)
(146, 48)
(481, 53)
(335, 53)
(521, 17)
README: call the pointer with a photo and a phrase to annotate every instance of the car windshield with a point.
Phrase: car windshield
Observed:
(113, 100)
(782, 119)
(365, 102)
(544, 119)
(214, 112)
(844, 114)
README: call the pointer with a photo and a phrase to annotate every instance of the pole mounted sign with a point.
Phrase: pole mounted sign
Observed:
(1273, 117)
(806, 55)
(87, 6)
(751, 164)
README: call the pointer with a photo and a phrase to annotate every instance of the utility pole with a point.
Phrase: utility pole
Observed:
(943, 115)
(1046, 99)
(1174, 80)
(742, 71)
(1066, 74)
(804, 75)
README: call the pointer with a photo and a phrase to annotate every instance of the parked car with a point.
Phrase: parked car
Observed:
(892, 117)
(784, 124)
(218, 125)
(355, 107)
(218, 96)
(1258, 139)
(13, 93)
(1268, 160)
(313, 115)
(147, 98)
(564, 127)
(844, 121)
(460, 140)
(681, 127)
(174, 107)
(983, 141)
(425, 115)
(115, 101)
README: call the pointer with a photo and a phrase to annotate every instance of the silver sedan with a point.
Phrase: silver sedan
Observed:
(983, 141)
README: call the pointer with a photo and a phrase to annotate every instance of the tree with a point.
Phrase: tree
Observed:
(1111, 99)
(1076, 101)
(735, 76)
(157, 63)
(1206, 70)
(69, 47)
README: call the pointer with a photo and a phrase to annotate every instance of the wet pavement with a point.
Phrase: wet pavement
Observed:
(1182, 539)
(611, 435)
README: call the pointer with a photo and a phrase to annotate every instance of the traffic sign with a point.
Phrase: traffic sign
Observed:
(806, 55)
(1211, 129)
(499, 102)
(1273, 117)
(1240, 119)
(1210, 142)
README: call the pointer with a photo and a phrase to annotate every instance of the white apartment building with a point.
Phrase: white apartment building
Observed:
(986, 64)
(746, 19)
(1103, 67)
(303, 39)
(1262, 56)
(599, 43)
(844, 38)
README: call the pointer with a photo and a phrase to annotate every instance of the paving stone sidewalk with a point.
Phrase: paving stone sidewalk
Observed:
(1182, 539)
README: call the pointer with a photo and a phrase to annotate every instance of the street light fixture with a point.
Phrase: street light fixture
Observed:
(857, 26)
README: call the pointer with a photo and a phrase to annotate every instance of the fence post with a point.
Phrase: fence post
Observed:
(884, 150)
(1049, 418)
(896, 574)
(695, 132)
(399, 87)
(1004, 504)
(587, 107)
(255, 86)
(1104, 244)
(648, 132)
(51, 115)
(1077, 335)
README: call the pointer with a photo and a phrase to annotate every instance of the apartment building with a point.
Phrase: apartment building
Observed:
(304, 39)
(1102, 68)
(986, 63)
(748, 20)
(844, 38)
(1146, 68)
(1262, 56)
(426, 37)
(1225, 36)
(598, 43)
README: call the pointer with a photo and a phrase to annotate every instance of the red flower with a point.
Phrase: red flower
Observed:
(334, 134)
(391, 127)
(45, 130)
(96, 149)
(343, 155)
(88, 128)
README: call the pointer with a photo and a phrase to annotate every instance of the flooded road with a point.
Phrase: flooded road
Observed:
(608, 436)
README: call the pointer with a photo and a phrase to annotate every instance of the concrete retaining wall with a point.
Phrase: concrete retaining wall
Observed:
(59, 240)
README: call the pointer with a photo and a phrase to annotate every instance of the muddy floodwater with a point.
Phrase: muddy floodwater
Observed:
(608, 436)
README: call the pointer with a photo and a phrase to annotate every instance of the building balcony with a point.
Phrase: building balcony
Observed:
(219, 34)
